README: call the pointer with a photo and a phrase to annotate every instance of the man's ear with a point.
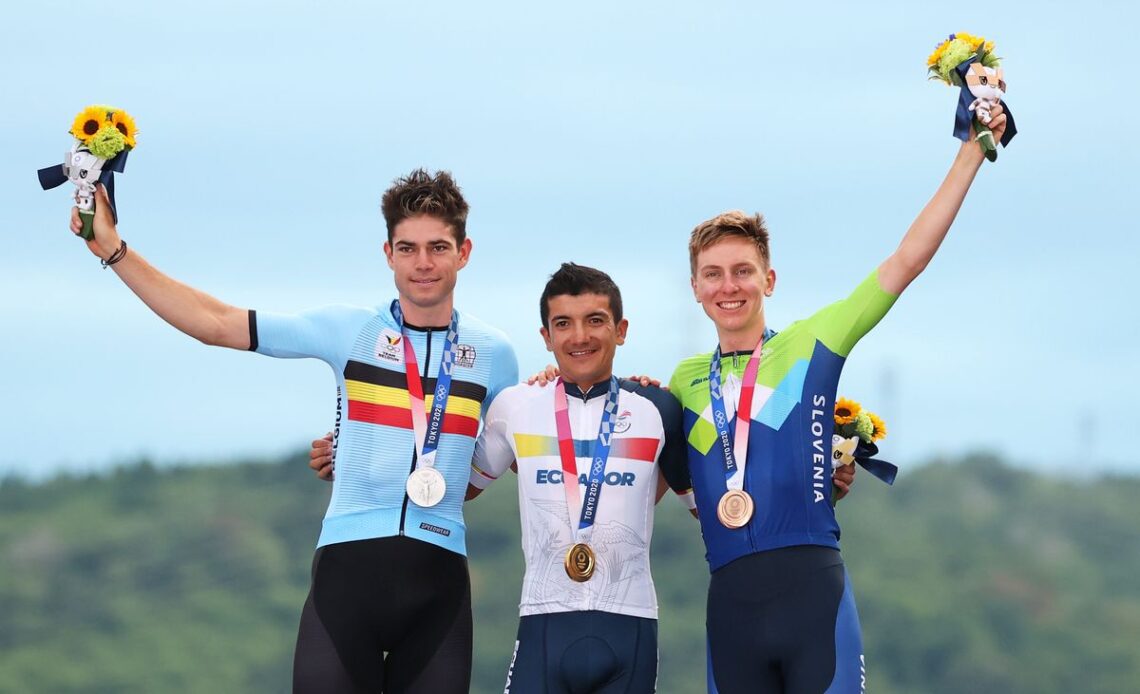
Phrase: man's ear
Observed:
(622, 328)
(464, 253)
(546, 337)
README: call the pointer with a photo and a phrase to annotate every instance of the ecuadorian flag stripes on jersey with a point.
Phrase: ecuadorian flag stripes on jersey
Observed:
(534, 445)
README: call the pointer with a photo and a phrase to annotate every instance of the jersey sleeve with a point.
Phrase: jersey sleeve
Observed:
(493, 450)
(324, 333)
(504, 372)
(673, 456)
(842, 324)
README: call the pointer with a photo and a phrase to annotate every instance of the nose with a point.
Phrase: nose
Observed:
(423, 259)
(578, 333)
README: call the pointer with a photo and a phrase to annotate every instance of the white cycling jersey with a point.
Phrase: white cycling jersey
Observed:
(647, 437)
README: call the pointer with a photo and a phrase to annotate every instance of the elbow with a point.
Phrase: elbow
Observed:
(216, 332)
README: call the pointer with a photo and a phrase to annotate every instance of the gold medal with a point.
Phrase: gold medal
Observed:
(734, 509)
(580, 562)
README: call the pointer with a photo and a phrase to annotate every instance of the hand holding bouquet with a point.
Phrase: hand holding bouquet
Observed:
(969, 62)
(856, 431)
(103, 137)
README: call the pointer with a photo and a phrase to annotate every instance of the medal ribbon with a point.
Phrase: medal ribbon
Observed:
(601, 454)
(736, 450)
(427, 432)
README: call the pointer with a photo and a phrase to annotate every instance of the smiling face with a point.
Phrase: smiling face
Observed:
(730, 281)
(583, 336)
(426, 259)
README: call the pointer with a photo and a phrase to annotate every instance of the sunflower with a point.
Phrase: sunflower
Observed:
(879, 430)
(126, 125)
(846, 411)
(88, 122)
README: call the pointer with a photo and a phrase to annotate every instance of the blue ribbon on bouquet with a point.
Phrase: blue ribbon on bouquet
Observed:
(53, 177)
(964, 117)
(879, 468)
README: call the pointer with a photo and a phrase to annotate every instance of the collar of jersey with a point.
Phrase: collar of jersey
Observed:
(596, 390)
(768, 335)
(424, 329)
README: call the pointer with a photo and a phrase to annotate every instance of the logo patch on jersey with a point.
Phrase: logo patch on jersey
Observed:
(389, 346)
(621, 425)
(435, 529)
(465, 356)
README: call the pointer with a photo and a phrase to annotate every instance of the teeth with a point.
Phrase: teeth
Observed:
(730, 304)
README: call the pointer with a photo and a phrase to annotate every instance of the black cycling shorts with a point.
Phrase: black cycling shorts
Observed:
(784, 622)
(390, 615)
(586, 652)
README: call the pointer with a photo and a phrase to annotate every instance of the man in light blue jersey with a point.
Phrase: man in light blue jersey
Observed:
(389, 609)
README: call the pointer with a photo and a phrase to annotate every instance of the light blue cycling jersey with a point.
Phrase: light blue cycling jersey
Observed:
(373, 441)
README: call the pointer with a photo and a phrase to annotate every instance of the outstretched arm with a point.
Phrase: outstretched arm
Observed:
(930, 227)
(195, 313)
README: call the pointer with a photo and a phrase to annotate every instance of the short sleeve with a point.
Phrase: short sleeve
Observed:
(673, 458)
(325, 333)
(842, 324)
(504, 372)
(493, 451)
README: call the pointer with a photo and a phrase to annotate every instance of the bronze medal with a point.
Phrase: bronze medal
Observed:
(734, 509)
(580, 562)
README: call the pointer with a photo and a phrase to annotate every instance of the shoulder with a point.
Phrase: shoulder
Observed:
(521, 398)
(662, 400)
(472, 326)
(690, 376)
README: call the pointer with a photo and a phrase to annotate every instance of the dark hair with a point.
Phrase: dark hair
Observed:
(574, 280)
(734, 224)
(420, 193)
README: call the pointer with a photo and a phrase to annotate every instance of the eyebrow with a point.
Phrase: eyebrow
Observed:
(592, 314)
(430, 242)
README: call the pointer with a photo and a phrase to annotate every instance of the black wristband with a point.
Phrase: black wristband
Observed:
(116, 256)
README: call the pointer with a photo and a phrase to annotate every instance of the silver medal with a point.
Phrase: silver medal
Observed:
(426, 487)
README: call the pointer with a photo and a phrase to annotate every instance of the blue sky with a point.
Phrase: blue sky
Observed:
(593, 132)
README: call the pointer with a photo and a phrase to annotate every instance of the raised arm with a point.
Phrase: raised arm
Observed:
(195, 313)
(930, 227)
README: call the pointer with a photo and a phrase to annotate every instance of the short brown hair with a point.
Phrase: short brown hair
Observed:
(420, 193)
(729, 224)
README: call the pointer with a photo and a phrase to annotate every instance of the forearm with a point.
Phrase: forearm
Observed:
(928, 230)
(195, 313)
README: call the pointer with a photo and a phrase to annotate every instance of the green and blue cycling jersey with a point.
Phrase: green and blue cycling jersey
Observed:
(788, 472)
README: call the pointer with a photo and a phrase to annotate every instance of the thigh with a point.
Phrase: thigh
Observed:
(738, 661)
(823, 647)
(530, 670)
(318, 666)
(636, 649)
(434, 656)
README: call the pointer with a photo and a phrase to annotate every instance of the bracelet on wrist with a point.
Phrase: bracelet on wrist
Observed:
(116, 256)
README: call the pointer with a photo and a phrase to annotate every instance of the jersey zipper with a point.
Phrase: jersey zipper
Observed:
(427, 361)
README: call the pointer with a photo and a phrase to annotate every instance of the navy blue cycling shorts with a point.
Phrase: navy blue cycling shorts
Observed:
(586, 652)
(784, 622)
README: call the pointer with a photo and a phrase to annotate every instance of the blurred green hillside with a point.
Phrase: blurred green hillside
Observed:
(970, 576)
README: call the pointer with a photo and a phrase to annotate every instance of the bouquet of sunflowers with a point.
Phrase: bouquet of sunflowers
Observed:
(856, 431)
(969, 62)
(103, 137)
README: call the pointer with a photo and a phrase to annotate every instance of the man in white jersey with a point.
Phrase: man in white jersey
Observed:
(588, 611)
